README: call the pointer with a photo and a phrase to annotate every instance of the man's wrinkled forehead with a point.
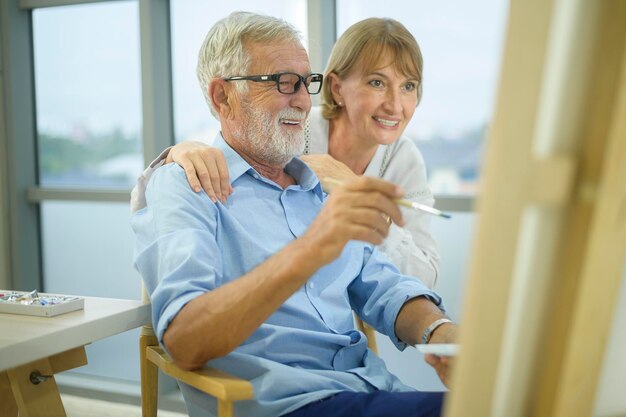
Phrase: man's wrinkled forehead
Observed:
(277, 57)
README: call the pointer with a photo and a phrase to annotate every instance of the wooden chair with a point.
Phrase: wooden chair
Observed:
(224, 387)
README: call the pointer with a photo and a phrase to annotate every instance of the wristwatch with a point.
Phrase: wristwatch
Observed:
(428, 332)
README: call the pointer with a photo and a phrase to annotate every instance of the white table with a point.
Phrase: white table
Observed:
(49, 345)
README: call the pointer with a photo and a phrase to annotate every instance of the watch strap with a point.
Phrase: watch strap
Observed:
(430, 329)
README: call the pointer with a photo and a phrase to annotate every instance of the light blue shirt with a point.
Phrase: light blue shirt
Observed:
(309, 348)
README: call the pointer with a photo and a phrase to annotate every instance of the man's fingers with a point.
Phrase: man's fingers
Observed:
(364, 183)
(373, 200)
(441, 364)
(383, 204)
(369, 219)
(366, 234)
(357, 223)
(431, 359)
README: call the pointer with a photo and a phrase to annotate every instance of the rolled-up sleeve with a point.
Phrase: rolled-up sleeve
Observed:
(380, 291)
(176, 249)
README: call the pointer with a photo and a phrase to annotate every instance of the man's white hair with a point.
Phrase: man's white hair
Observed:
(223, 52)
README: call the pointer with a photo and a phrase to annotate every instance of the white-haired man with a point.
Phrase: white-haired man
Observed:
(264, 284)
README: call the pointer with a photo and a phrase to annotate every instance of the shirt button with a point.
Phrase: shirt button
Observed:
(311, 285)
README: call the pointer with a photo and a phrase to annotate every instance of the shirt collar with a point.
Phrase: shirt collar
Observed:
(237, 166)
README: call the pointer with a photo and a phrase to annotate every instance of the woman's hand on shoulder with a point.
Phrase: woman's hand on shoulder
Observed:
(205, 168)
(325, 166)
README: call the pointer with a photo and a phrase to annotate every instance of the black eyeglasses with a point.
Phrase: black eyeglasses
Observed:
(287, 82)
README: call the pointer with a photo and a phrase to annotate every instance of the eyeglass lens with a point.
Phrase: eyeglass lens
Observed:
(289, 83)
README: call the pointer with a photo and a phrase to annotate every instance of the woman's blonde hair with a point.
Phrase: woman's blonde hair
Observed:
(363, 47)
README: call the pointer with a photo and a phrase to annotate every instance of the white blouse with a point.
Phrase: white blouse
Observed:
(411, 248)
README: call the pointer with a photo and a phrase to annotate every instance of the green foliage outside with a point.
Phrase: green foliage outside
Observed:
(60, 154)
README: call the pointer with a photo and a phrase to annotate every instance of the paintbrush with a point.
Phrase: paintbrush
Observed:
(328, 183)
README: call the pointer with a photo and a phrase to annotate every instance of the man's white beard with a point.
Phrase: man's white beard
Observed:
(265, 139)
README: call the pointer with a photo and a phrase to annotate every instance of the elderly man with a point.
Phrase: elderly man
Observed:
(263, 285)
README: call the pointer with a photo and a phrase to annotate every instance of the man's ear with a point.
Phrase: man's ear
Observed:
(221, 96)
(335, 87)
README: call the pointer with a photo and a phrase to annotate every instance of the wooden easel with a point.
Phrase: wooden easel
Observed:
(551, 238)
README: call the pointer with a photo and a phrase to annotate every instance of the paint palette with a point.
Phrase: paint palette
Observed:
(448, 349)
(38, 304)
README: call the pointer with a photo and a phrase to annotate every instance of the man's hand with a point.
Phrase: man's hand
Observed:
(356, 210)
(205, 168)
(414, 317)
(446, 333)
(442, 365)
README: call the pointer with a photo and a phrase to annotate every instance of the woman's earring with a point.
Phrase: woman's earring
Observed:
(340, 104)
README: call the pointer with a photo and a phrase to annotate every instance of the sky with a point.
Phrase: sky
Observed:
(88, 74)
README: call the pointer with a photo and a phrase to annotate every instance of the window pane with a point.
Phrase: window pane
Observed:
(88, 91)
(88, 250)
(191, 20)
(461, 43)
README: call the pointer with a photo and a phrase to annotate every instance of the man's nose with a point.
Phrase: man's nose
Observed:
(301, 99)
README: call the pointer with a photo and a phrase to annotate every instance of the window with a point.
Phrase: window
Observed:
(88, 91)
(88, 95)
(461, 44)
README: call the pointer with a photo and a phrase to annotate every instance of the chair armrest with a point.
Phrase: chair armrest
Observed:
(214, 382)
(369, 332)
